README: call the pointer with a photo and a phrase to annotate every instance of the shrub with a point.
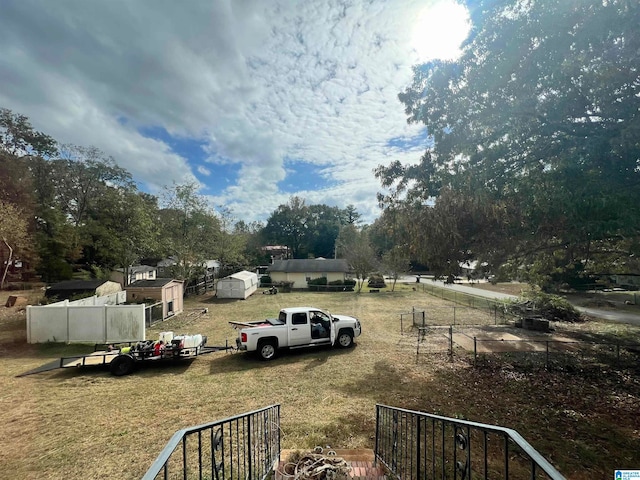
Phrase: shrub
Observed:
(265, 280)
(316, 284)
(284, 287)
(548, 306)
(376, 281)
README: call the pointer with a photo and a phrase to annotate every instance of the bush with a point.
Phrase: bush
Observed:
(548, 306)
(317, 284)
(376, 281)
(284, 287)
(265, 280)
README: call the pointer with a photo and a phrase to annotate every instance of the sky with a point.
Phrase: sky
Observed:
(255, 100)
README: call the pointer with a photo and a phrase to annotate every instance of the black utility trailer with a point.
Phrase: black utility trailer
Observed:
(124, 358)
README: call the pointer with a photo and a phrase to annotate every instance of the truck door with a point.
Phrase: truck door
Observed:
(299, 330)
(322, 330)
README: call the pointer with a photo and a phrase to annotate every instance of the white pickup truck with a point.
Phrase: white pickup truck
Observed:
(296, 327)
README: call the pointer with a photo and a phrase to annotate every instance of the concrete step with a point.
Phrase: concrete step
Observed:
(361, 463)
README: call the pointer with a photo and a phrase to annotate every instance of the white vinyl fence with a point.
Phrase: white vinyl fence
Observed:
(69, 322)
(112, 299)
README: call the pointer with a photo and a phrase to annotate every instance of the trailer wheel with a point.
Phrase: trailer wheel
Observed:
(345, 339)
(122, 365)
(267, 350)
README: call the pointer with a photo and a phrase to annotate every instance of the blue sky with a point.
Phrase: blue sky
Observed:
(256, 101)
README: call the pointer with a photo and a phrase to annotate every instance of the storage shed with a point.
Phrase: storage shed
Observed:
(239, 285)
(165, 290)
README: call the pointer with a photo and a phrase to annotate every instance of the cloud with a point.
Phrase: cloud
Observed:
(204, 171)
(254, 84)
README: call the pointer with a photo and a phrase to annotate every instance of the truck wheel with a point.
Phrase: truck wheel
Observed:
(345, 339)
(267, 350)
(122, 365)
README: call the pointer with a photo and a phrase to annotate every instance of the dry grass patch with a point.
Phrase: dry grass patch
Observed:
(88, 424)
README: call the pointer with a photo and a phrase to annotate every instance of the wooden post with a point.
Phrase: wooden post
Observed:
(546, 362)
(475, 351)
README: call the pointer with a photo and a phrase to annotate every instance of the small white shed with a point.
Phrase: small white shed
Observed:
(239, 285)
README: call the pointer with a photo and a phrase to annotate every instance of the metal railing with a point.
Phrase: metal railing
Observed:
(242, 447)
(417, 445)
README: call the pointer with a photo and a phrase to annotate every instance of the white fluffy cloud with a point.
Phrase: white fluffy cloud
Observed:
(260, 83)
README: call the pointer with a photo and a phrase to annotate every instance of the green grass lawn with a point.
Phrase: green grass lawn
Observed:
(87, 424)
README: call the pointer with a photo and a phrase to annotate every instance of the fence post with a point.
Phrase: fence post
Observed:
(475, 351)
(418, 459)
(495, 314)
(450, 340)
(454, 314)
(546, 361)
(250, 447)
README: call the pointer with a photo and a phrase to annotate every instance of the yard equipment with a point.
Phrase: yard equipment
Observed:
(125, 358)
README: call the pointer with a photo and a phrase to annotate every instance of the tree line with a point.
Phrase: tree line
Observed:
(67, 209)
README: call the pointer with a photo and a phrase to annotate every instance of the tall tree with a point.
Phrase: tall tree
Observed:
(323, 224)
(229, 246)
(351, 215)
(18, 137)
(19, 143)
(13, 235)
(123, 228)
(190, 229)
(250, 235)
(395, 263)
(539, 120)
(288, 225)
(353, 245)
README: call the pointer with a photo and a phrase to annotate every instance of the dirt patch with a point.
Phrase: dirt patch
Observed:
(497, 339)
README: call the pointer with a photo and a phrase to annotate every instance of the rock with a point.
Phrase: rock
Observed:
(535, 323)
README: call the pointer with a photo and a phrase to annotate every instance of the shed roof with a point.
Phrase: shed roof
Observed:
(158, 282)
(315, 265)
(243, 275)
(69, 288)
(77, 285)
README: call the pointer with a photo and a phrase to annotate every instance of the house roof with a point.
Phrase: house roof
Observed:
(315, 265)
(137, 269)
(158, 282)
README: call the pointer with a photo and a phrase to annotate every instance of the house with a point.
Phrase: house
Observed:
(136, 272)
(74, 288)
(300, 271)
(165, 266)
(166, 290)
(276, 252)
(239, 285)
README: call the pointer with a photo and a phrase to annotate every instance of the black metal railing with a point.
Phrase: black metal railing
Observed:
(417, 445)
(242, 447)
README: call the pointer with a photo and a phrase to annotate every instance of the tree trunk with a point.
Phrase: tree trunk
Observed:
(6, 268)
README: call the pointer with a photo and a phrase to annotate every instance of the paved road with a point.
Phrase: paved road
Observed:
(458, 287)
(622, 317)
